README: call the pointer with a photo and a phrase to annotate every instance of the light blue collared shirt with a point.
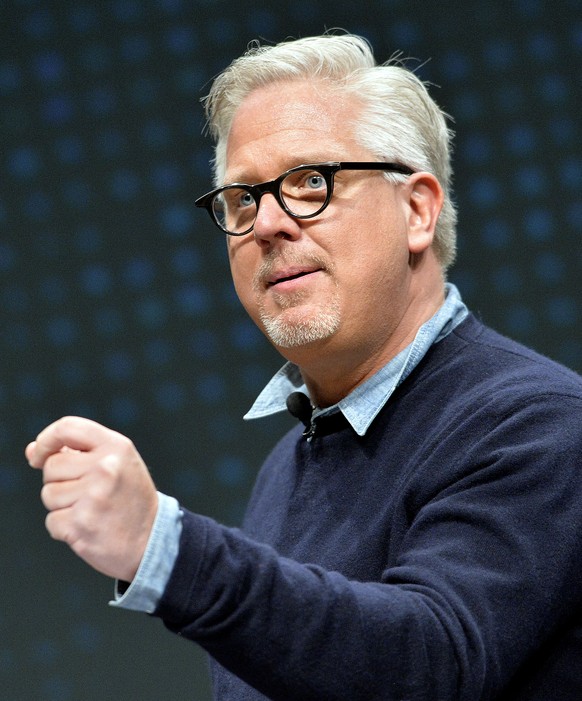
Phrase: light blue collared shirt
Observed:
(360, 408)
(148, 585)
(362, 405)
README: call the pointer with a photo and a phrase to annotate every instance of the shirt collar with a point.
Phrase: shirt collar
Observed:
(361, 406)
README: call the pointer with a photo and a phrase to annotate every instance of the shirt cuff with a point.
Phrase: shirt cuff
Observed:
(149, 583)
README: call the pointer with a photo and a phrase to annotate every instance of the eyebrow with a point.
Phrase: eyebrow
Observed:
(292, 164)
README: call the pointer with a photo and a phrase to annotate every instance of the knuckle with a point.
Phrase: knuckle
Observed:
(115, 460)
(58, 528)
(51, 464)
(124, 444)
(81, 548)
(63, 425)
(46, 495)
(99, 491)
(107, 470)
(50, 525)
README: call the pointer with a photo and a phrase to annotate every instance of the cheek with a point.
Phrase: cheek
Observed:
(242, 283)
(242, 269)
(375, 258)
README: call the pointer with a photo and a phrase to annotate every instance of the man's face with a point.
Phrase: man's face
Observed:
(338, 283)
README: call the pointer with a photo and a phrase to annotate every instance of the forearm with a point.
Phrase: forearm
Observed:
(296, 631)
(461, 604)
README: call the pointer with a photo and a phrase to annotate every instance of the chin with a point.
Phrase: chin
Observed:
(296, 333)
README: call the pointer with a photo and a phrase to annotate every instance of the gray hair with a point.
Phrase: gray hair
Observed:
(399, 120)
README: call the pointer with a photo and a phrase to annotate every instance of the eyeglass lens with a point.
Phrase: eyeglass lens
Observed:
(303, 193)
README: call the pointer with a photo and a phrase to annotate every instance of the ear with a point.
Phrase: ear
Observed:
(425, 200)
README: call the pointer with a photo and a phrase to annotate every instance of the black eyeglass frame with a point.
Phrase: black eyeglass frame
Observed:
(273, 187)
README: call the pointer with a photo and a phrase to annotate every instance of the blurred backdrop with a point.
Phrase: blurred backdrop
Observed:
(115, 297)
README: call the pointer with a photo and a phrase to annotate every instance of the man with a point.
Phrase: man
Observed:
(421, 537)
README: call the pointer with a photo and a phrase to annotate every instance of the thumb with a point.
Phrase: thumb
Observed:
(71, 432)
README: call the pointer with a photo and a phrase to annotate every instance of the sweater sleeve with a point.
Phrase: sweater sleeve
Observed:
(484, 568)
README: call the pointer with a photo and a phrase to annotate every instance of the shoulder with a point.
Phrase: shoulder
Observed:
(485, 359)
(478, 388)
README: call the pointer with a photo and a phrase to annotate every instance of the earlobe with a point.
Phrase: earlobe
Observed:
(425, 197)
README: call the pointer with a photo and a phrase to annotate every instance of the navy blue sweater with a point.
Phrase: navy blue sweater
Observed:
(438, 557)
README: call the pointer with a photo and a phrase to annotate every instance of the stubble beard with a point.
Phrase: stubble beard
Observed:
(292, 326)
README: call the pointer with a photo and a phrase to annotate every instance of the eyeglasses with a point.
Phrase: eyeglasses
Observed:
(302, 192)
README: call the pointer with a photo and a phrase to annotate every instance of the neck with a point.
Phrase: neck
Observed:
(331, 371)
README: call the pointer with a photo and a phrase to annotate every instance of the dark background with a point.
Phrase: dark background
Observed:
(115, 297)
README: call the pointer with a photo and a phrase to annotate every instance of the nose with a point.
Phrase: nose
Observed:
(273, 222)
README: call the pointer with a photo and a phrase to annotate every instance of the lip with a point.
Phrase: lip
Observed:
(290, 275)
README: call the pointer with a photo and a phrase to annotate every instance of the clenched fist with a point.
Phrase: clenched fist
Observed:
(100, 496)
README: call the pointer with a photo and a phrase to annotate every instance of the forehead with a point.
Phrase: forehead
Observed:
(284, 124)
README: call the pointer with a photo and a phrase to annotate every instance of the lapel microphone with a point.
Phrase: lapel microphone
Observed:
(299, 406)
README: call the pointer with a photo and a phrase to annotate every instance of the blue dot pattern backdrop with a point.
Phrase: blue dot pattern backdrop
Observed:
(115, 295)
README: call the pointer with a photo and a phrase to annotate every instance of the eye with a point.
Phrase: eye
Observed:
(235, 198)
(304, 180)
(315, 181)
(246, 199)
